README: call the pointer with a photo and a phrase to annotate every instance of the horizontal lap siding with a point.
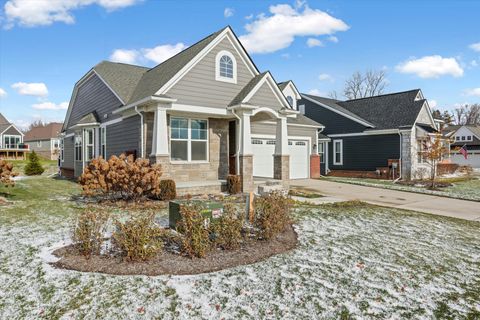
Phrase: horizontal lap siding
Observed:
(68, 151)
(199, 87)
(12, 131)
(94, 95)
(265, 97)
(124, 136)
(333, 122)
(366, 153)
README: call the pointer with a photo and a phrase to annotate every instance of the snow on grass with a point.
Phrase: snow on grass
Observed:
(466, 190)
(352, 260)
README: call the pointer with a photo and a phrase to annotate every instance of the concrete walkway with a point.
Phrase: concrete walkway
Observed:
(463, 209)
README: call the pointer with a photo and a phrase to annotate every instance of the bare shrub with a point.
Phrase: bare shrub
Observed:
(6, 174)
(272, 214)
(196, 236)
(121, 177)
(228, 228)
(89, 230)
(139, 238)
(234, 184)
(168, 190)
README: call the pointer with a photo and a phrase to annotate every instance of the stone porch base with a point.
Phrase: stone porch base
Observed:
(201, 187)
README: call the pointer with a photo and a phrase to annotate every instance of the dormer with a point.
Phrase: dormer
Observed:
(291, 93)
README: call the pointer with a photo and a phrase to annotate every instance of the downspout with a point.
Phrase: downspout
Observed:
(237, 167)
(141, 131)
(401, 162)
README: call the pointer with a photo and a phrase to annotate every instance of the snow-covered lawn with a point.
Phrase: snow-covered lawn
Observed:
(353, 260)
(466, 190)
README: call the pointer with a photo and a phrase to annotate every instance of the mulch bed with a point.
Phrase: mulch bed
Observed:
(168, 263)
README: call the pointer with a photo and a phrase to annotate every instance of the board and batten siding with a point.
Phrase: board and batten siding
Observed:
(94, 95)
(124, 136)
(365, 153)
(265, 97)
(199, 87)
(334, 123)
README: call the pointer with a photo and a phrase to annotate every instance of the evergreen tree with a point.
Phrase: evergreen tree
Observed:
(33, 166)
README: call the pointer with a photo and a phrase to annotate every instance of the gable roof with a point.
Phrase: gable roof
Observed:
(51, 130)
(282, 85)
(89, 118)
(300, 119)
(4, 124)
(388, 111)
(452, 129)
(247, 89)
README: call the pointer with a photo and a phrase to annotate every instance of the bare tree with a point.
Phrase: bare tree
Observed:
(36, 124)
(467, 114)
(333, 95)
(360, 85)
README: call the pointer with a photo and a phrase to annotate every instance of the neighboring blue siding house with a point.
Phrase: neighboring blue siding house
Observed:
(374, 136)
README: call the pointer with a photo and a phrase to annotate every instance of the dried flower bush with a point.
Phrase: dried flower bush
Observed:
(168, 190)
(139, 238)
(234, 184)
(272, 214)
(89, 230)
(195, 234)
(227, 229)
(121, 177)
(6, 174)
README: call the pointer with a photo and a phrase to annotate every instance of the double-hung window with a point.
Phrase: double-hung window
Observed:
(103, 142)
(321, 152)
(89, 144)
(188, 139)
(62, 148)
(338, 152)
(78, 148)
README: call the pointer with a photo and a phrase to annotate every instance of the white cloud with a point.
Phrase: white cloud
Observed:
(50, 106)
(3, 93)
(45, 12)
(475, 46)
(157, 54)
(315, 92)
(37, 89)
(333, 39)
(474, 63)
(277, 31)
(26, 120)
(473, 92)
(249, 17)
(325, 77)
(228, 12)
(431, 67)
(433, 103)
(163, 52)
(312, 42)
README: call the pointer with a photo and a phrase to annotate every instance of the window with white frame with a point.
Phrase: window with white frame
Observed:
(338, 152)
(321, 151)
(11, 141)
(39, 143)
(78, 148)
(89, 144)
(55, 143)
(103, 142)
(290, 100)
(62, 149)
(226, 67)
(188, 139)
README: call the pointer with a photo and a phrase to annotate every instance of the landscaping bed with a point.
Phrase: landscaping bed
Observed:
(167, 263)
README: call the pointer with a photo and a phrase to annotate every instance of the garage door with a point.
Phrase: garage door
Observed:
(263, 150)
(472, 160)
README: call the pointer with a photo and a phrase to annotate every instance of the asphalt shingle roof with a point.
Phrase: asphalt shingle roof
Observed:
(301, 119)
(49, 131)
(247, 89)
(4, 124)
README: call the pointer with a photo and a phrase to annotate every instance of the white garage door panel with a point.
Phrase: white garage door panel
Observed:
(472, 160)
(263, 150)
(299, 167)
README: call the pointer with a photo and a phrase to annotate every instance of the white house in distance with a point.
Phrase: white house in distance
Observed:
(468, 136)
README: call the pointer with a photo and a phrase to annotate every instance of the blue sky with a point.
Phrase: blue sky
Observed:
(45, 47)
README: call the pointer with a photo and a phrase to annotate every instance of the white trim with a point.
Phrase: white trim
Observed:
(69, 135)
(272, 136)
(267, 78)
(237, 46)
(3, 136)
(200, 109)
(218, 77)
(165, 100)
(366, 133)
(189, 141)
(109, 123)
(335, 163)
(12, 125)
(339, 112)
(429, 111)
(466, 127)
(297, 125)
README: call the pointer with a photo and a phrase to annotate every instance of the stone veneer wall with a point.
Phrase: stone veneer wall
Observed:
(246, 172)
(281, 168)
(406, 155)
(217, 166)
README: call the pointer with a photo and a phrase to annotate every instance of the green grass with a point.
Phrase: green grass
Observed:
(50, 166)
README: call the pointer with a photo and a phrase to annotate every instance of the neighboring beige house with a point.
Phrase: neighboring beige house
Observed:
(202, 114)
(45, 140)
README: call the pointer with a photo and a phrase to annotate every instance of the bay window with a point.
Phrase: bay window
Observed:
(188, 139)
(89, 144)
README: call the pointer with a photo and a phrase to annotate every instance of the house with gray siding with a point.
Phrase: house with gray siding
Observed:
(202, 114)
(380, 136)
(44, 140)
(467, 137)
(11, 141)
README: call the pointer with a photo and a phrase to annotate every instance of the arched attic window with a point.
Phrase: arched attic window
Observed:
(226, 67)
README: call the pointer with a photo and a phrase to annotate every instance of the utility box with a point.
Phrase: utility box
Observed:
(209, 209)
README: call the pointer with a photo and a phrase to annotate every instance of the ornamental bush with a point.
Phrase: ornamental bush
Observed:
(6, 174)
(195, 233)
(33, 167)
(89, 230)
(227, 229)
(168, 190)
(121, 177)
(272, 214)
(139, 238)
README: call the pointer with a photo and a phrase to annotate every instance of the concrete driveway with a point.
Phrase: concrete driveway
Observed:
(463, 209)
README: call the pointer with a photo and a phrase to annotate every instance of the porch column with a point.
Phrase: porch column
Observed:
(281, 158)
(245, 157)
(160, 152)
